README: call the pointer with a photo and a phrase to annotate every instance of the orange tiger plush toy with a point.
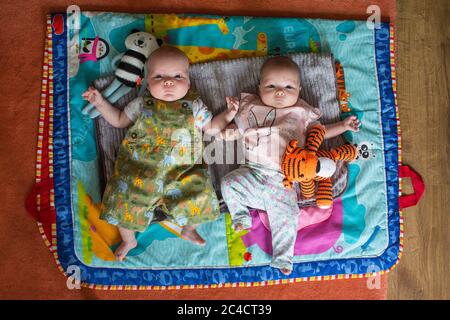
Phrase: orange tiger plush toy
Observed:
(309, 164)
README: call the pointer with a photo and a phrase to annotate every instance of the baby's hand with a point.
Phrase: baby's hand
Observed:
(352, 123)
(93, 96)
(232, 104)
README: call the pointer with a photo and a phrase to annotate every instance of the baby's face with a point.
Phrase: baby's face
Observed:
(279, 87)
(168, 77)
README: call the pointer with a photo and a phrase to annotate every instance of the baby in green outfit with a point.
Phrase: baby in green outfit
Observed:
(155, 166)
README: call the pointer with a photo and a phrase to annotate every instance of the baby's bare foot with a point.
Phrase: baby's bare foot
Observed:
(189, 233)
(123, 249)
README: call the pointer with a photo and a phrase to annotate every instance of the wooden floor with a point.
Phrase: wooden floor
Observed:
(423, 60)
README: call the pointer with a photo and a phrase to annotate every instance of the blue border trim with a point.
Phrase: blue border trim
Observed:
(109, 276)
(390, 135)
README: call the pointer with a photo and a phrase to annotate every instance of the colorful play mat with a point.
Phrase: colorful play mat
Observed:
(361, 237)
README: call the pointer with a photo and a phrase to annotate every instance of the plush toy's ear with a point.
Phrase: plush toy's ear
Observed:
(134, 31)
(159, 41)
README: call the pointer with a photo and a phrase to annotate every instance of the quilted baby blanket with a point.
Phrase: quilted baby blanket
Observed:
(360, 237)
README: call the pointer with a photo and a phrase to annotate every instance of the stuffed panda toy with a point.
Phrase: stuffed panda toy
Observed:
(130, 70)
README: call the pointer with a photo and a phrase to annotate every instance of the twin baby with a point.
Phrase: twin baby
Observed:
(149, 175)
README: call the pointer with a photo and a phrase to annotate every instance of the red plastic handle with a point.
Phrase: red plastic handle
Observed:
(410, 200)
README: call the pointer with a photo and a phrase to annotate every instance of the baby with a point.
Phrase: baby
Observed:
(155, 166)
(267, 123)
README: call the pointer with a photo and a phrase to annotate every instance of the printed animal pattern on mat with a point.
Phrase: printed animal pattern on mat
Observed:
(201, 54)
(343, 95)
(161, 25)
(93, 49)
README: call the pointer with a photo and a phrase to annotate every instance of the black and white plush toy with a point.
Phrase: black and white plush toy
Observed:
(130, 71)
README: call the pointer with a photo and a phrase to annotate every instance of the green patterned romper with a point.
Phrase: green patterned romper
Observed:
(157, 167)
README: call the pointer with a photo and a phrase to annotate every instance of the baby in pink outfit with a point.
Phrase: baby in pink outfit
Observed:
(267, 123)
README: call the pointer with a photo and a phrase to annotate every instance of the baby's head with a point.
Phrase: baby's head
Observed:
(279, 84)
(168, 74)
